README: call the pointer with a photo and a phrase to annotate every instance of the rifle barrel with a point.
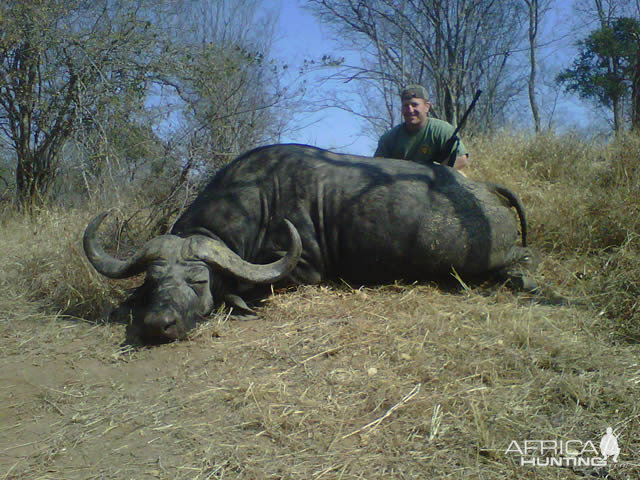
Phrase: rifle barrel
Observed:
(454, 136)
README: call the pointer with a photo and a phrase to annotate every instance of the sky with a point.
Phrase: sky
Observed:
(299, 36)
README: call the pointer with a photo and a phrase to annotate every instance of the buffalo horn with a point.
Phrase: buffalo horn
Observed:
(220, 256)
(103, 262)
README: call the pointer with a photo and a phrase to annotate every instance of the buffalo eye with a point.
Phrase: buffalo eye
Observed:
(156, 269)
(197, 278)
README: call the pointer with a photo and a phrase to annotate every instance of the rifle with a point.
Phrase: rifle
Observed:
(451, 160)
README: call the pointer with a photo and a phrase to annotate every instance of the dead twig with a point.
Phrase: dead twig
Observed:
(373, 425)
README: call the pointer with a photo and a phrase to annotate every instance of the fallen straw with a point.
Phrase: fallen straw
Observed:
(374, 424)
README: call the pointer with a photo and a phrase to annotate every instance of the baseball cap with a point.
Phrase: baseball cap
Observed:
(414, 91)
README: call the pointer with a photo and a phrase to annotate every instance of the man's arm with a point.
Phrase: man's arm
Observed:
(461, 161)
(382, 150)
(461, 156)
(386, 144)
(451, 147)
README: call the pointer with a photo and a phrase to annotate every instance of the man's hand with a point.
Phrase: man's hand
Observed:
(461, 162)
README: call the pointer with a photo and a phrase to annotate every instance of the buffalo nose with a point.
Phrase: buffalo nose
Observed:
(163, 324)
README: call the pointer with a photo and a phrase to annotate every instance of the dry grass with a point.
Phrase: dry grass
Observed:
(583, 204)
(393, 382)
(401, 381)
(44, 265)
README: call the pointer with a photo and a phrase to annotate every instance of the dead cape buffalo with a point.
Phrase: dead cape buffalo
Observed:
(295, 214)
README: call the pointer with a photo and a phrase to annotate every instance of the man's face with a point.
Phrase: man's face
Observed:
(414, 111)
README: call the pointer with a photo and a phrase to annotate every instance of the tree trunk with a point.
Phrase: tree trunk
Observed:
(34, 175)
(533, 31)
(635, 91)
(618, 121)
(25, 191)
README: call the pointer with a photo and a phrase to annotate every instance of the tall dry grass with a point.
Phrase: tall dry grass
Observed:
(583, 205)
(44, 267)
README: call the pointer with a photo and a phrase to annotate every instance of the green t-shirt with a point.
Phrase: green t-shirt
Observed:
(423, 146)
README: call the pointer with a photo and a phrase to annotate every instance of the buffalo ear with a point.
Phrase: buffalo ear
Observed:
(239, 309)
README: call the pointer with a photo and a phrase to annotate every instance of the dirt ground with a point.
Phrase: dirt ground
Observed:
(397, 382)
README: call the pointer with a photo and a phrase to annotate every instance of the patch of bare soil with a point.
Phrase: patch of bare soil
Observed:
(395, 382)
